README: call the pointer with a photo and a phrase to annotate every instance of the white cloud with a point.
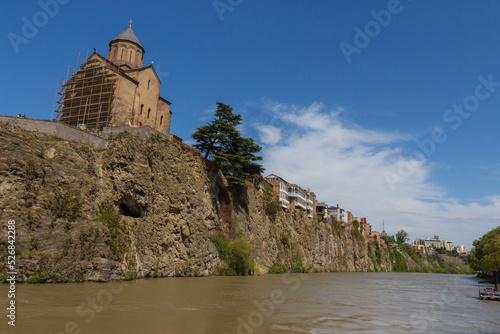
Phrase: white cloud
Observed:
(348, 165)
(269, 134)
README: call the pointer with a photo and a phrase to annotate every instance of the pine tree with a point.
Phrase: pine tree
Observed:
(221, 141)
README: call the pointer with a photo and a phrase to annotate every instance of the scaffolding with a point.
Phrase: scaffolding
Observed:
(86, 99)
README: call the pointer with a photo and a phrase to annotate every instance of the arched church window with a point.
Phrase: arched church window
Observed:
(161, 120)
(142, 108)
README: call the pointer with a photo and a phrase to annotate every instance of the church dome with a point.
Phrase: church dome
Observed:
(126, 49)
(128, 36)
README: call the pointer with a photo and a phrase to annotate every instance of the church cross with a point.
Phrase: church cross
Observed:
(130, 23)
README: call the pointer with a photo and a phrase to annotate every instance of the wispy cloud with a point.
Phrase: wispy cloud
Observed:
(205, 115)
(346, 164)
(269, 134)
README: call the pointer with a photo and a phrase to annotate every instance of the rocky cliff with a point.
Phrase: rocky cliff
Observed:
(148, 208)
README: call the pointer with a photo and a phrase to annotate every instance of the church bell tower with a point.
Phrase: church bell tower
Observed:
(126, 50)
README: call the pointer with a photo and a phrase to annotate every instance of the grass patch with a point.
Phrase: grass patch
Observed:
(189, 269)
(66, 204)
(40, 277)
(130, 275)
(277, 269)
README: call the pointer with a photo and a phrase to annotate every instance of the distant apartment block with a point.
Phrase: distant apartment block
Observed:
(437, 243)
(460, 249)
(419, 246)
(291, 196)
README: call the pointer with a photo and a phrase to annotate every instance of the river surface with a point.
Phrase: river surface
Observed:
(290, 303)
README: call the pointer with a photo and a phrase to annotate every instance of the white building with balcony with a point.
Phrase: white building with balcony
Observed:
(339, 214)
(293, 196)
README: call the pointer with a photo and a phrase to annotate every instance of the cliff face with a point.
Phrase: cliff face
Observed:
(290, 238)
(146, 208)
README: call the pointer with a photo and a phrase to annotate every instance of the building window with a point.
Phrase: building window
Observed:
(161, 120)
(149, 81)
(121, 57)
(115, 52)
(149, 112)
(142, 108)
(130, 57)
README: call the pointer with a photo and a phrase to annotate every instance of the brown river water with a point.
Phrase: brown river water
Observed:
(289, 303)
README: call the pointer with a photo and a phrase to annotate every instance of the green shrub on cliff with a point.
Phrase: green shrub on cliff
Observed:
(271, 201)
(236, 255)
(110, 217)
(356, 224)
(336, 228)
(66, 204)
(222, 245)
(411, 252)
(398, 263)
(239, 258)
(277, 269)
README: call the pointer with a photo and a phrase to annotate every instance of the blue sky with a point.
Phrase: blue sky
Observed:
(346, 127)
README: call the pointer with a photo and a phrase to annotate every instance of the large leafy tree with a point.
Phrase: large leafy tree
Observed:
(485, 255)
(402, 236)
(221, 141)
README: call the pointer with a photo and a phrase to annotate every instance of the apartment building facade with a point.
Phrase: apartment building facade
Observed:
(341, 215)
(291, 196)
(437, 243)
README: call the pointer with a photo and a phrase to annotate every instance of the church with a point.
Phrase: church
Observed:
(117, 90)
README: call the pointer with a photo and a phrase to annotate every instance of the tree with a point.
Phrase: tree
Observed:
(389, 239)
(221, 141)
(217, 135)
(402, 236)
(356, 224)
(485, 255)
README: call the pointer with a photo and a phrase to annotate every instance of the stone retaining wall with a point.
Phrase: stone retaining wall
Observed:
(56, 129)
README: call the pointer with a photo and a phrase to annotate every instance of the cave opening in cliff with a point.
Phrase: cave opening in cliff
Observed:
(131, 208)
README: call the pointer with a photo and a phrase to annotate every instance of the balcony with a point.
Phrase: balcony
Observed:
(300, 204)
(297, 192)
(284, 200)
(284, 203)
